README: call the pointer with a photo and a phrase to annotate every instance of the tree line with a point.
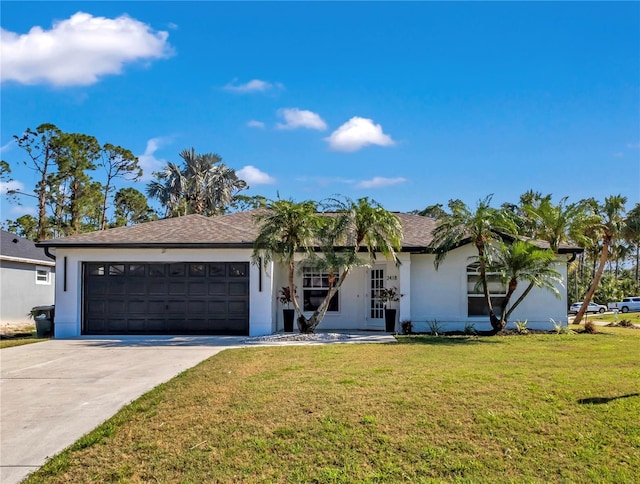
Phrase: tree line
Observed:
(77, 178)
(76, 193)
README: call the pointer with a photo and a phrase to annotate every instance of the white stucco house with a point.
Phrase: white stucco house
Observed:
(193, 275)
(27, 279)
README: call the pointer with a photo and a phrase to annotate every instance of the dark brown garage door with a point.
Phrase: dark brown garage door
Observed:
(156, 298)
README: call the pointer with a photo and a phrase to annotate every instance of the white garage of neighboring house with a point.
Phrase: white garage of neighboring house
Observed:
(27, 278)
(193, 275)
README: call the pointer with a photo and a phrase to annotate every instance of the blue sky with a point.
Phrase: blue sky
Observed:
(410, 104)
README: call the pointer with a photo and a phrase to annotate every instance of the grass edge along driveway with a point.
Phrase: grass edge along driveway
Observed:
(552, 408)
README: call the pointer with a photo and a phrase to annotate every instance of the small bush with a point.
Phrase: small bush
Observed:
(407, 327)
(435, 327)
(470, 329)
(521, 327)
(590, 327)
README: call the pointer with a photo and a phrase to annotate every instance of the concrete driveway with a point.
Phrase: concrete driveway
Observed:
(52, 393)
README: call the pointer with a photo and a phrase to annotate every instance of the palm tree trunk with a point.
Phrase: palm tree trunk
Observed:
(519, 300)
(596, 280)
(496, 324)
(321, 310)
(513, 284)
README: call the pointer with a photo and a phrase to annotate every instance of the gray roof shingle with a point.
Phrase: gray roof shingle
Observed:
(232, 230)
(20, 248)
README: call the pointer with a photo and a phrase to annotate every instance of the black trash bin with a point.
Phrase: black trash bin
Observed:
(43, 316)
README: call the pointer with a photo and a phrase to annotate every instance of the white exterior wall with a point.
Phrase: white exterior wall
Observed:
(20, 292)
(442, 295)
(353, 297)
(69, 303)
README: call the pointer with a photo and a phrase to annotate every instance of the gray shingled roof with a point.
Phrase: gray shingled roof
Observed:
(19, 248)
(232, 230)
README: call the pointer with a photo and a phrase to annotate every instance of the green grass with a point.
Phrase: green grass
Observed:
(26, 336)
(609, 318)
(536, 408)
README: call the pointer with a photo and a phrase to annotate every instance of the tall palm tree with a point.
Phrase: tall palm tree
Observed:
(481, 227)
(632, 235)
(287, 228)
(522, 261)
(609, 227)
(352, 227)
(202, 185)
(168, 188)
(558, 224)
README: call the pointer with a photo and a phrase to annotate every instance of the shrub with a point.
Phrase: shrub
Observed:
(590, 327)
(407, 327)
(435, 327)
(521, 327)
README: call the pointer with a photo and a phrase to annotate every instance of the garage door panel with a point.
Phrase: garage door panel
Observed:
(136, 325)
(157, 306)
(217, 289)
(196, 308)
(237, 288)
(177, 288)
(159, 288)
(166, 298)
(198, 288)
(137, 307)
(237, 307)
(117, 287)
(176, 306)
(117, 325)
(116, 306)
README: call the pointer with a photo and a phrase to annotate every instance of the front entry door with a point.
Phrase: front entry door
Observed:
(375, 310)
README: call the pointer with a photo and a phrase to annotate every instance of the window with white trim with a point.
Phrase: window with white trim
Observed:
(43, 275)
(476, 304)
(315, 286)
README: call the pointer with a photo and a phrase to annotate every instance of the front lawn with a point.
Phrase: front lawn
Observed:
(537, 408)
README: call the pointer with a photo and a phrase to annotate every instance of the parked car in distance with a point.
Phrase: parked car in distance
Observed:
(628, 304)
(591, 308)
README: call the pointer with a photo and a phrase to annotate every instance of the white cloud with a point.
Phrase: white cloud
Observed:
(300, 118)
(5, 186)
(19, 210)
(357, 133)
(148, 162)
(78, 50)
(255, 85)
(633, 146)
(7, 147)
(253, 176)
(379, 182)
(255, 124)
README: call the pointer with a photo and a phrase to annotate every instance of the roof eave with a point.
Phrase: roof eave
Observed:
(150, 245)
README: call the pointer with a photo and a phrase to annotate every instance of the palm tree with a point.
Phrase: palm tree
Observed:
(481, 227)
(168, 188)
(522, 261)
(610, 227)
(203, 185)
(287, 228)
(352, 227)
(557, 224)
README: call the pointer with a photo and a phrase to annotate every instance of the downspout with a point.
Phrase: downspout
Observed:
(49, 254)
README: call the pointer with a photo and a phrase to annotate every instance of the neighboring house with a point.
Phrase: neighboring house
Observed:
(26, 279)
(193, 275)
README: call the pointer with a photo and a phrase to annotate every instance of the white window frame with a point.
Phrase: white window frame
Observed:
(47, 275)
(493, 280)
(314, 280)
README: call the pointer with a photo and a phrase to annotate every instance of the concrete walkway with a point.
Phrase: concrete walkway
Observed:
(52, 393)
